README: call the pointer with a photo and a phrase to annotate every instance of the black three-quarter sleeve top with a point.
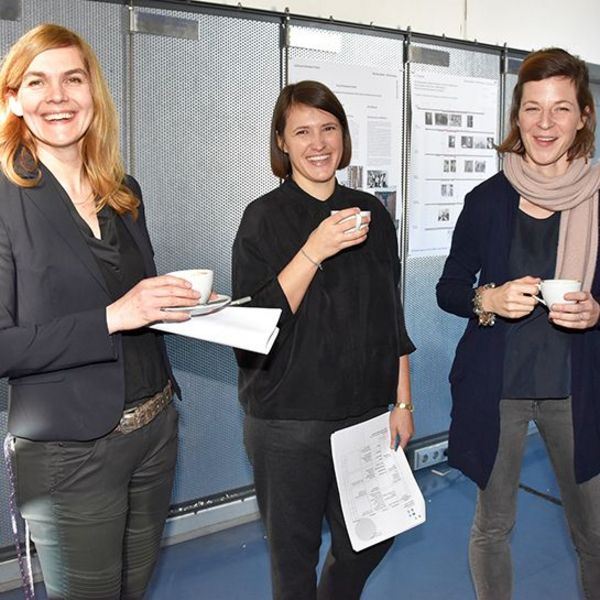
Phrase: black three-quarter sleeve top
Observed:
(338, 355)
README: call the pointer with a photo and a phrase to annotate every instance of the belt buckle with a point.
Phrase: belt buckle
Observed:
(127, 424)
(141, 415)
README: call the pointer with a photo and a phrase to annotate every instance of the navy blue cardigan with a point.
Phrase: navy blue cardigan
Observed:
(481, 244)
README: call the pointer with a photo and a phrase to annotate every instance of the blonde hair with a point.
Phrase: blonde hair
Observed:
(102, 162)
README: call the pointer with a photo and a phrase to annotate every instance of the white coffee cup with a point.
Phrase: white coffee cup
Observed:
(553, 291)
(356, 218)
(201, 280)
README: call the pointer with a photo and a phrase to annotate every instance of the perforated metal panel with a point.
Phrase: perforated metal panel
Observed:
(108, 42)
(202, 114)
(356, 48)
(595, 87)
(435, 332)
(509, 86)
(5, 527)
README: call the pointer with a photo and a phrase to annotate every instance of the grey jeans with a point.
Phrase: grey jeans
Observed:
(96, 509)
(296, 488)
(489, 549)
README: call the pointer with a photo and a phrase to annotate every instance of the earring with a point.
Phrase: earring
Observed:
(15, 106)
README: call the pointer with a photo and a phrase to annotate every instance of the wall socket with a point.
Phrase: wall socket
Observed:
(428, 456)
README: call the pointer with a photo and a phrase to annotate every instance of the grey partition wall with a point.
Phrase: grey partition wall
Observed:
(5, 525)
(595, 87)
(356, 47)
(512, 65)
(434, 332)
(201, 113)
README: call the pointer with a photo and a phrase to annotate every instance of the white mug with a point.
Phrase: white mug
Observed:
(201, 280)
(358, 217)
(553, 291)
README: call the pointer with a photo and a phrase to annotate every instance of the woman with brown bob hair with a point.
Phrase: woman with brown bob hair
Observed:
(92, 431)
(342, 352)
(518, 361)
(309, 93)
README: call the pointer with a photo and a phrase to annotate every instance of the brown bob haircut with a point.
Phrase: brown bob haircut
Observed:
(315, 95)
(554, 62)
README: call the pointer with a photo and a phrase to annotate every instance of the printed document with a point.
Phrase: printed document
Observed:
(453, 137)
(379, 495)
(248, 328)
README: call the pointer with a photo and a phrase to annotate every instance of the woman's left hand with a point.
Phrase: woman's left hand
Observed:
(401, 426)
(581, 315)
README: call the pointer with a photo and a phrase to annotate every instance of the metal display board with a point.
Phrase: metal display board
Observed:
(435, 332)
(200, 116)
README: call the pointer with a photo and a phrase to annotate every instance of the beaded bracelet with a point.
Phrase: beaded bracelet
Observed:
(485, 318)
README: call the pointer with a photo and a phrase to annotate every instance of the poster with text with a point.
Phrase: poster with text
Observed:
(372, 99)
(454, 131)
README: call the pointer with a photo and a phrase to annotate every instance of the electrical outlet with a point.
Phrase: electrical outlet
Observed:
(429, 455)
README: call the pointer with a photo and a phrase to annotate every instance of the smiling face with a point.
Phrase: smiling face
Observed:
(549, 119)
(55, 100)
(313, 140)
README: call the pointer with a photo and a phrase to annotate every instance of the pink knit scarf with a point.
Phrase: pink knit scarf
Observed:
(574, 194)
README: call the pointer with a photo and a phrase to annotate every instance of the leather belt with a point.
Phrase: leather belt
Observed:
(145, 412)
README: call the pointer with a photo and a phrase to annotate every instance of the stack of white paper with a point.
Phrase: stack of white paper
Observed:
(247, 328)
(380, 497)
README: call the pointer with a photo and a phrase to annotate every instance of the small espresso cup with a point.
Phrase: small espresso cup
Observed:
(201, 280)
(553, 291)
(355, 220)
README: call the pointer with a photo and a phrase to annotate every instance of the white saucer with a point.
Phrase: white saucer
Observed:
(219, 303)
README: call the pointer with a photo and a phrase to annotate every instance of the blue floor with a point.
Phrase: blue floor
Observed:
(425, 563)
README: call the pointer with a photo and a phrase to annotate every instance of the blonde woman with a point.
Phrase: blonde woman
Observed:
(93, 432)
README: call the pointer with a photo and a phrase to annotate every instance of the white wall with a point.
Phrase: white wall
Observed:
(521, 24)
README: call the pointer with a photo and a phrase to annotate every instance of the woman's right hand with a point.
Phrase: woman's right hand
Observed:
(512, 300)
(332, 236)
(144, 302)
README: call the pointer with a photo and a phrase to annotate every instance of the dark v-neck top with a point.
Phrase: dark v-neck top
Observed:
(121, 264)
(538, 354)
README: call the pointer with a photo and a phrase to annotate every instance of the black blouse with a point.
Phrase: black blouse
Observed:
(122, 267)
(338, 355)
(538, 354)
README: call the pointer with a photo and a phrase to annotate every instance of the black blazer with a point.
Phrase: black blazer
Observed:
(66, 377)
